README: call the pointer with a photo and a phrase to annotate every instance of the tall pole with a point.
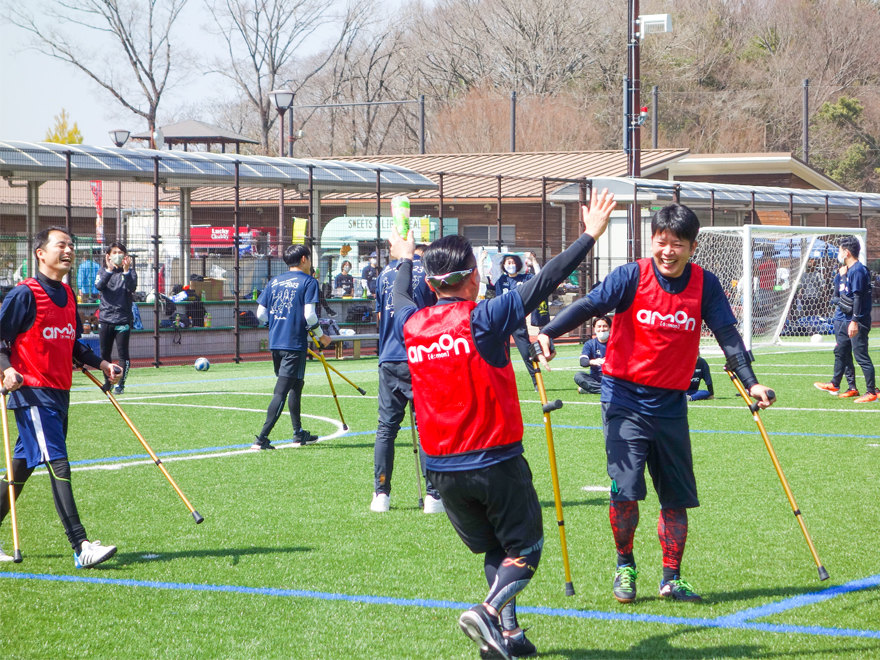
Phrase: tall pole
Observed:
(635, 48)
(655, 104)
(543, 220)
(421, 123)
(513, 122)
(499, 214)
(281, 134)
(290, 138)
(155, 237)
(67, 203)
(236, 244)
(379, 217)
(440, 209)
(806, 121)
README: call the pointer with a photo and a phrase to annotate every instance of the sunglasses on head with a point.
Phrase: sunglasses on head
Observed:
(449, 279)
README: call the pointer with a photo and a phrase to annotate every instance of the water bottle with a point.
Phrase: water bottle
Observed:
(208, 319)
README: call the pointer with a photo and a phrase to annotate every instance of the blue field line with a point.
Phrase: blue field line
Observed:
(722, 622)
(802, 600)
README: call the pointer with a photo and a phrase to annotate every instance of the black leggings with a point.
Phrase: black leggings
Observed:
(62, 493)
(108, 333)
(291, 389)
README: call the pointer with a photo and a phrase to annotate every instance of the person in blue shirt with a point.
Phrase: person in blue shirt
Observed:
(593, 356)
(852, 323)
(845, 367)
(369, 274)
(512, 278)
(117, 282)
(288, 303)
(660, 304)
(484, 479)
(395, 384)
(345, 281)
(701, 372)
(86, 273)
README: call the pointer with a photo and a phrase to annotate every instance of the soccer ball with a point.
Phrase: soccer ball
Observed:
(816, 339)
(202, 364)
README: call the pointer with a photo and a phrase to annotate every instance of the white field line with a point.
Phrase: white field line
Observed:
(196, 457)
(131, 399)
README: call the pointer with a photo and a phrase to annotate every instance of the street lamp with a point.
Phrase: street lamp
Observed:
(282, 100)
(119, 136)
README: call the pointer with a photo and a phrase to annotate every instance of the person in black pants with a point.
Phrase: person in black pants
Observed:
(512, 278)
(843, 366)
(694, 393)
(116, 282)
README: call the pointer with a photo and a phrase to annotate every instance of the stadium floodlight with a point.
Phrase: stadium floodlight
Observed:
(119, 136)
(282, 99)
(654, 24)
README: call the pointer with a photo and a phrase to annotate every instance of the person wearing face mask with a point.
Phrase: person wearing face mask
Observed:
(852, 322)
(593, 356)
(369, 275)
(660, 305)
(116, 282)
(510, 280)
(344, 281)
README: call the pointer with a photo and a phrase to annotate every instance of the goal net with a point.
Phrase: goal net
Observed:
(778, 279)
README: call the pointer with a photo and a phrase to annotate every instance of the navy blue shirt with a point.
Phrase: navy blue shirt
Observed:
(390, 348)
(285, 298)
(858, 281)
(506, 283)
(17, 315)
(369, 273)
(838, 287)
(701, 373)
(593, 350)
(616, 293)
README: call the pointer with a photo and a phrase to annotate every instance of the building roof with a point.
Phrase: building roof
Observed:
(474, 176)
(196, 132)
(699, 195)
(25, 161)
(750, 164)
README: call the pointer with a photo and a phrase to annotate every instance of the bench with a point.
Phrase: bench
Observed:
(355, 340)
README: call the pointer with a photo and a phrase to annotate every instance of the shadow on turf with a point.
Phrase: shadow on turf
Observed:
(125, 558)
(659, 647)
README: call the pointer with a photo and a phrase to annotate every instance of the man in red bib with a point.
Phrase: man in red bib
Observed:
(470, 424)
(39, 326)
(661, 304)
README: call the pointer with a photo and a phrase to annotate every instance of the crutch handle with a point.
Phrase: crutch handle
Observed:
(535, 350)
(4, 391)
(754, 406)
(552, 405)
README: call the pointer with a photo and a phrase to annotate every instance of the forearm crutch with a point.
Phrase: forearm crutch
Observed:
(534, 351)
(360, 390)
(106, 390)
(823, 574)
(412, 424)
(320, 355)
(16, 556)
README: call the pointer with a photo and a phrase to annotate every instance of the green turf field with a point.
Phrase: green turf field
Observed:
(290, 562)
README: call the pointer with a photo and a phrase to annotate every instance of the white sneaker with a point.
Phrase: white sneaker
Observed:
(434, 505)
(4, 556)
(381, 503)
(92, 554)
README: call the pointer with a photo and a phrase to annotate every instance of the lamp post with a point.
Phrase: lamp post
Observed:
(282, 100)
(119, 138)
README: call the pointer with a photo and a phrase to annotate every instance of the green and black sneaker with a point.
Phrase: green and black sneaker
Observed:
(678, 589)
(625, 583)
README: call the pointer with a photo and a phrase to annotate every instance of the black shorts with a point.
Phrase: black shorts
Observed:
(289, 364)
(633, 440)
(492, 506)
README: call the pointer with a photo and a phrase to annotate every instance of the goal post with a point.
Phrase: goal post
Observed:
(778, 279)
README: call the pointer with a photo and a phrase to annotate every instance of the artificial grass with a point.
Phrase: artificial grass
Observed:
(299, 519)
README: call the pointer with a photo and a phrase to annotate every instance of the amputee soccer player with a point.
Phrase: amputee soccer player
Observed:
(395, 385)
(471, 426)
(39, 328)
(288, 303)
(661, 303)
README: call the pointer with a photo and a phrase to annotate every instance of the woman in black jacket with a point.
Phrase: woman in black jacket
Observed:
(116, 282)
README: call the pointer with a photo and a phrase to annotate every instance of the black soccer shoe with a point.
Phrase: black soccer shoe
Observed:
(485, 630)
(261, 443)
(678, 589)
(519, 647)
(303, 437)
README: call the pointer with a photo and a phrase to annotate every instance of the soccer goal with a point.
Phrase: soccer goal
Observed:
(778, 279)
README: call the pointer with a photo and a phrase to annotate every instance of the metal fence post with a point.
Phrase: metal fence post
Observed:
(499, 212)
(379, 217)
(440, 228)
(543, 220)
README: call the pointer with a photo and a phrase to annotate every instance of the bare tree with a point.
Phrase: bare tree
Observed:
(263, 38)
(138, 67)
